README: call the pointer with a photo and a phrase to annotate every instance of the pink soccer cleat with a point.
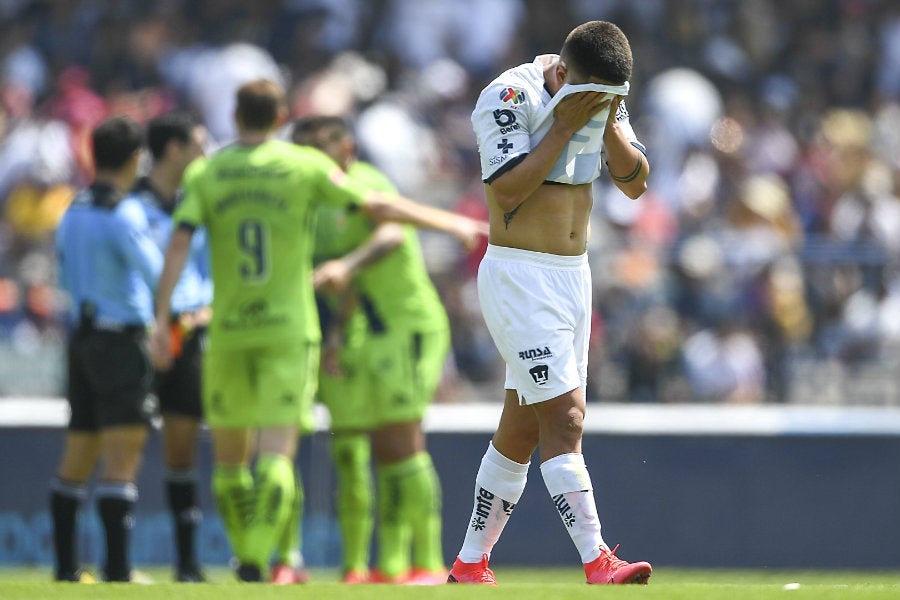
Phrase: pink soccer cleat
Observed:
(609, 568)
(377, 576)
(478, 573)
(355, 577)
(420, 576)
(286, 575)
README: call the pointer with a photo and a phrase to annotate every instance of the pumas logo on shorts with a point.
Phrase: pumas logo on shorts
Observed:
(536, 353)
(540, 374)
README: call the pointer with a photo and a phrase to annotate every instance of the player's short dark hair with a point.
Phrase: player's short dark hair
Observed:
(258, 103)
(305, 129)
(175, 125)
(600, 50)
(115, 141)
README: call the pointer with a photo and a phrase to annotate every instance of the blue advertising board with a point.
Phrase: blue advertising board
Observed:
(744, 498)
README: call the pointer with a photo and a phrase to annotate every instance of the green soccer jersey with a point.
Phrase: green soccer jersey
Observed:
(396, 292)
(257, 205)
(339, 231)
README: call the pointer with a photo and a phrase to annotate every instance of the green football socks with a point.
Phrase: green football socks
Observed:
(275, 491)
(351, 453)
(426, 516)
(233, 491)
(409, 512)
(289, 544)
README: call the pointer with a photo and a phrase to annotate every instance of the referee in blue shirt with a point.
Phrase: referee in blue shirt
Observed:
(109, 266)
(174, 140)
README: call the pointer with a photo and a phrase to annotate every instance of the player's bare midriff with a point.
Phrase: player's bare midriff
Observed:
(553, 220)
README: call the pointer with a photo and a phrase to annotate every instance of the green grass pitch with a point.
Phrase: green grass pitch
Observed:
(516, 583)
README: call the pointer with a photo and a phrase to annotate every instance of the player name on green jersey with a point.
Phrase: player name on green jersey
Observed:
(257, 203)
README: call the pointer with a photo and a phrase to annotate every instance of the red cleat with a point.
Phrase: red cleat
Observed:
(376, 576)
(354, 577)
(287, 575)
(478, 573)
(609, 568)
(427, 577)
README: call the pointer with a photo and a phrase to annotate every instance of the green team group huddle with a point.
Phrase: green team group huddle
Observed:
(386, 339)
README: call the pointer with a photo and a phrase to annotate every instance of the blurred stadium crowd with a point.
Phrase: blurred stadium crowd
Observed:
(761, 266)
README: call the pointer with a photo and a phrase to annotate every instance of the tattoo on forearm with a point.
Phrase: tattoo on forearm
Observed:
(631, 176)
(508, 216)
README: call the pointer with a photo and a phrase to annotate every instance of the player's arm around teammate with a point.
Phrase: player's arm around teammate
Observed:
(334, 276)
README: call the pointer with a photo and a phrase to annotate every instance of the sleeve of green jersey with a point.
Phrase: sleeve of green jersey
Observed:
(334, 185)
(191, 211)
(366, 175)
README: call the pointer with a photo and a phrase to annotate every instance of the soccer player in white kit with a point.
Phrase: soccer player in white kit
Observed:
(543, 130)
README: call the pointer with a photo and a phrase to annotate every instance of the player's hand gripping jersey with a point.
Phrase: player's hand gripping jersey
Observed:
(515, 111)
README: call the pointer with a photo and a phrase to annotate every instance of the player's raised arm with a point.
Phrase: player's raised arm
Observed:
(625, 160)
(382, 207)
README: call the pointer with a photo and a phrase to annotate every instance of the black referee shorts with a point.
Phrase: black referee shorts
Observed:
(110, 378)
(178, 389)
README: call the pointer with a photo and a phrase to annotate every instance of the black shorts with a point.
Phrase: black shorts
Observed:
(110, 378)
(178, 389)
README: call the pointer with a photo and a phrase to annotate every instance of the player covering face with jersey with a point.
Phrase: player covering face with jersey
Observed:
(544, 130)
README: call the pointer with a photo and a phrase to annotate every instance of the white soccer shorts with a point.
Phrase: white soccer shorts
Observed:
(537, 308)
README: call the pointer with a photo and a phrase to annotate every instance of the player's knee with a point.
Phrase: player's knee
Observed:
(574, 421)
(566, 427)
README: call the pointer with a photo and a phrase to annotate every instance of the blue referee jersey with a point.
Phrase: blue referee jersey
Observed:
(194, 289)
(108, 262)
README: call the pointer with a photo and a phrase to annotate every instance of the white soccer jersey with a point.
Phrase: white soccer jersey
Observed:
(514, 113)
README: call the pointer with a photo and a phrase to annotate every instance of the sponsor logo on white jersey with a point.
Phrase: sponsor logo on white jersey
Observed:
(536, 353)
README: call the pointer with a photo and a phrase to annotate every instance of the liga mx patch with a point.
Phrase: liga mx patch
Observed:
(512, 95)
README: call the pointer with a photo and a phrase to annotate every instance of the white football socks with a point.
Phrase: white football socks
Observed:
(569, 483)
(498, 487)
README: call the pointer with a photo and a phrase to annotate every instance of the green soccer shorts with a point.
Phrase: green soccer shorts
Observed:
(262, 386)
(404, 371)
(345, 396)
